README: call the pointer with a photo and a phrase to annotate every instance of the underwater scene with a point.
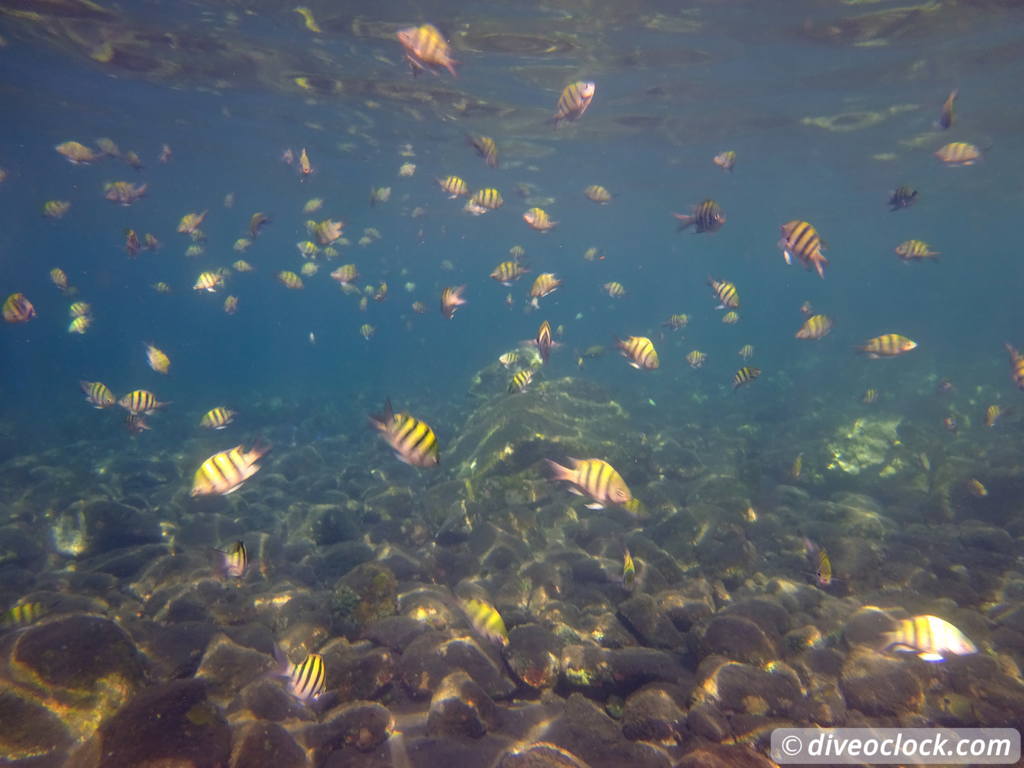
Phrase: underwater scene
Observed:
(506, 384)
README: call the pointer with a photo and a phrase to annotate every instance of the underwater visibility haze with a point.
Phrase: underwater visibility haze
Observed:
(579, 383)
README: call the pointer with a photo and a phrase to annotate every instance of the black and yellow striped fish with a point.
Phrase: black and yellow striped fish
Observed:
(887, 345)
(946, 116)
(483, 200)
(726, 293)
(290, 280)
(140, 401)
(234, 560)
(507, 272)
(902, 197)
(595, 478)
(413, 441)
(597, 194)
(97, 394)
(915, 250)
(815, 327)
(22, 614)
(800, 240)
(485, 620)
(307, 679)
(544, 340)
(453, 186)
(520, 381)
(573, 101)
(958, 153)
(1016, 366)
(225, 472)
(486, 148)
(745, 375)
(628, 570)
(706, 216)
(639, 351)
(217, 418)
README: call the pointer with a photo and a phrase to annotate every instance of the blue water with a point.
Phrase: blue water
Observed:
(755, 77)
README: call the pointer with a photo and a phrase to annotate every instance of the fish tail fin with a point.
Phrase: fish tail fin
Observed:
(260, 448)
(382, 419)
(558, 472)
(685, 221)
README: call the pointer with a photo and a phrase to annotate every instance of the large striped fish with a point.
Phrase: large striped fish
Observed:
(413, 441)
(595, 478)
(225, 472)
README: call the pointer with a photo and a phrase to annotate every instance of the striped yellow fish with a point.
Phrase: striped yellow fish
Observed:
(55, 209)
(597, 194)
(731, 318)
(230, 304)
(413, 441)
(726, 293)
(725, 160)
(191, 222)
(544, 341)
(1016, 366)
(614, 289)
(307, 680)
(946, 116)
(453, 186)
(887, 345)
(675, 322)
(484, 200)
(97, 394)
(305, 166)
(18, 309)
(815, 327)
(80, 324)
(290, 280)
(225, 472)
(930, 637)
(746, 351)
(426, 49)
(538, 219)
(451, 300)
(140, 401)
(485, 620)
(366, 331)
(706, 216)
(870, 396)
(800, 240)
(234, 560)
(59, 278)
(161, 287)
(573, 101)
(823, 573)
(696, 358)
(639, 351)
(993, 412)
(628, 569)
(507, 272)
(958, 153)
(157, 359)
(486, 148)
(915, 250)
(544, 284)
(217, 418)
(79, 308)
(520, 381)
(595, 478)
(22, 614)
(345, 274)
(745, 375)
(210, 282)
